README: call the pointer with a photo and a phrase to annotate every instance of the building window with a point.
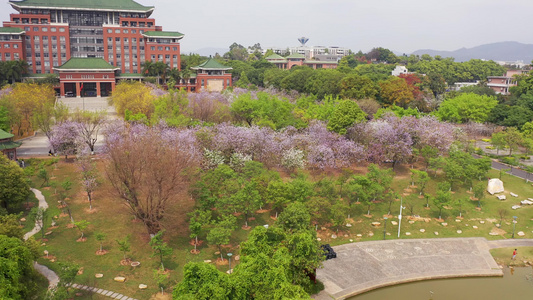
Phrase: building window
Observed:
(61, 38)
(35, 28)
(45, 29)
(26, 28)
(7, 46)
(54, 38)
(117, 39)
(61, 29)
(167, 56)
(160, 48)
(167, 48)
(133, 31)
(117, 30)
(45, 38)
(152, 48)
(125, 31)
(15, 46)
(110, 31)
(53, 29)
(175, 48)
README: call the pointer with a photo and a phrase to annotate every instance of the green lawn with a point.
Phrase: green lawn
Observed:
(111, 216)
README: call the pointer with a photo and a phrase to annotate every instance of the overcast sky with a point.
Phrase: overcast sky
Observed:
(402, 26)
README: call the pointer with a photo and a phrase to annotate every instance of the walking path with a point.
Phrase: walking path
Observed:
(364, 266)
(52, 277)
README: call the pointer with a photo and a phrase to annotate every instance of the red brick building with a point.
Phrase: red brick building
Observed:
(212, 76)
(86, 77)
(50, 32)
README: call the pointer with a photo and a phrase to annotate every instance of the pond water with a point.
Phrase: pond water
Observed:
(515, 284)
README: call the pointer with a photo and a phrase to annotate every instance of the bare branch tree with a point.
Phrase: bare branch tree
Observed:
(147, 168)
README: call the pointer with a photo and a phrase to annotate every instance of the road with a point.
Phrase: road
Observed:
(514, 170)
(38, 145)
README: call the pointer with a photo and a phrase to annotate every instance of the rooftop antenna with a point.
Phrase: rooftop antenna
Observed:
(303, 40)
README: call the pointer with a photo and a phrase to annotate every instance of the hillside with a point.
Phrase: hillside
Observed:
(502, 51)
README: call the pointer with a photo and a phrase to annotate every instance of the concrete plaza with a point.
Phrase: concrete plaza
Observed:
(364, 266)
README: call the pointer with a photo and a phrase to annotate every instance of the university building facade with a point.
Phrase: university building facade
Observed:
(48, 33)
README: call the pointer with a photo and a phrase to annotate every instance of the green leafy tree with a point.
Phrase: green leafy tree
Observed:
(466, 107)
(124, 245)
(219, 235)
(39, 215)
(100, 237)
(43, 174)
(14, 188)
(479, 192)
(198, 219)
(498, 141)
(10, 226)
(17, 277)
(346, 113)
(295, 217)
(160, 248)
(512, 138)
(443, 197)
(354, 86)
(82, 225)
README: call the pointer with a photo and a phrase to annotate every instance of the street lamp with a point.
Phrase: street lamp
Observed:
(400, 216)
(385, 229)
(229, 262)
(514, 224)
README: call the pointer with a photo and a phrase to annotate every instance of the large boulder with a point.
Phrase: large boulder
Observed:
(495, 186)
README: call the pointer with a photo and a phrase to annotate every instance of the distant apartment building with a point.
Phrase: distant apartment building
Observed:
(297, 59)
(501, 84)
(399, 70)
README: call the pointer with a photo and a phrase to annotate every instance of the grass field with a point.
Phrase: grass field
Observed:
(110, 216)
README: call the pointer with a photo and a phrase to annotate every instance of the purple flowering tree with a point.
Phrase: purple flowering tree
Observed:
(65, 138)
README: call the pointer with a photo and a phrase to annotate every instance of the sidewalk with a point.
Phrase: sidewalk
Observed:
(364, 266)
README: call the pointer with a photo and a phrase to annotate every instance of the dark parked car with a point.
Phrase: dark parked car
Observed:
(328, 251)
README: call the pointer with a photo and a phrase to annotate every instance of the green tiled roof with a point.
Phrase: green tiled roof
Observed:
(89, 63)
(274, 57)
(5, 135)
(121, 5)
(165, 34)
(296, 55)
(9, 145)
(212, 64)
(10, 30)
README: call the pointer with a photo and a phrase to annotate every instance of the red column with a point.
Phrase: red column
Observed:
(78, 90)
(98, 94)
(62, 89)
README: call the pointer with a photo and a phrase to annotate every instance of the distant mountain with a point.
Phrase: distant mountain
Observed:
(208, 51)
(502, 51)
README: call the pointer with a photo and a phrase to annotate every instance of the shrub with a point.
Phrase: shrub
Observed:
(509, 160)
(486, 140)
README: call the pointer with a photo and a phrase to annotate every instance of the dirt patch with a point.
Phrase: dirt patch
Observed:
(497, 231)
(81, 240)
(160, 296)
(193, 242)
(221, 262)
(103, 252)
(195, 251)
(90, 211)
(262, 211)
(244, 227)
(125, 262)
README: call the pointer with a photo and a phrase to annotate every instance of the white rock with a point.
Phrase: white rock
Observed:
(501, 197)
(475, 227)
(436, 233)
(422, 230)
(459, 231)
(99, 275)
(371, 234)
(407, 233)
(333, 236)
(359, 235)
(411, 222)
(457, 220)
(516, 206)
(318, 239)
(376, 223)
(394, 223)
(348, 225)
(513, 194)
(481, 222)
(526, 202)
(521, 233)
(143, 286)
(119, 279)
(444, 224)
(207, 261)
(351, 240)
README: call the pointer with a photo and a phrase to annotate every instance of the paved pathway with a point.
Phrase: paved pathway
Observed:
(364, 266)
(52, 277)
